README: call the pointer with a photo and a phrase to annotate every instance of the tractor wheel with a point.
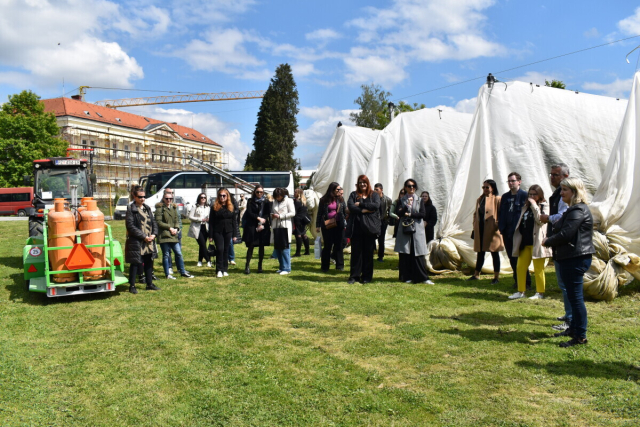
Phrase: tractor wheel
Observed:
(26, 285)
(35, 227)
(22, 212)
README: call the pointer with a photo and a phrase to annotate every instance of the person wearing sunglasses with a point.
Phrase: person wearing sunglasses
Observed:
(223, 229)
(140, 247)
(199, 217)
(486, 235)
(364, 205)
(330, 221)
(257, 227)
(411, 243)
(168, 220)
(529, 233)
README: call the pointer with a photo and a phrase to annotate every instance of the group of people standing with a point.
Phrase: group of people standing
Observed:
(532, 230)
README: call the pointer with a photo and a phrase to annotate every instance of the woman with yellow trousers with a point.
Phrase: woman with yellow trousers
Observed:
(527, 243)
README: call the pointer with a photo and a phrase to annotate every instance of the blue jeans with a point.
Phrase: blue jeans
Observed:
(166, 256)
(572, 272)
(284, 258)
(232, 252)
(567, 306)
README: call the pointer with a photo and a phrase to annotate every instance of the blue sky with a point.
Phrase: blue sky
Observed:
(407, 46)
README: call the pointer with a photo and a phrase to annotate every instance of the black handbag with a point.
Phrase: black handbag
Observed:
(408, 226)
(211, 249)
(371, 223)
(280, 238)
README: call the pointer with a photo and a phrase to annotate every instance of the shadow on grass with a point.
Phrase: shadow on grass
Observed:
(587, 368)
(500, 335)
(490, 318)
(481, 294)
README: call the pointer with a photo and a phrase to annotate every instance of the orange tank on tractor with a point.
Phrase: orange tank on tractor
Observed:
(62, 226)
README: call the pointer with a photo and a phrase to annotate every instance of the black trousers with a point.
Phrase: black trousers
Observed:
(513, 260)
(413, 267)
(203, 253)
(134, 269)
(332, 246)
(495, 256)
(362, 245)
(222, 242)
(381, 237)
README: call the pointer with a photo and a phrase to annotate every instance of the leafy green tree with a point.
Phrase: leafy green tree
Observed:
(27, 133)
(274, 137)
(384, 118)
(372, 102)
(555, 83)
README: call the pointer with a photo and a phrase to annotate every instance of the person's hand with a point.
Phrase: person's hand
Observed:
(356, 204)
(173, 231)
(235, 239)
(206, 219)
(261, 220)
(317, 229)
(275, 215)
(366, 211)
(532, 202)
(544, 218)
(149, 238)
(210, 239)
(407, 214)
(544, 242)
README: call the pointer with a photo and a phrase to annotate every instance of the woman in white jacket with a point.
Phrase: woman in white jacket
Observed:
(199, 216)
(527, 243)
(282, 212)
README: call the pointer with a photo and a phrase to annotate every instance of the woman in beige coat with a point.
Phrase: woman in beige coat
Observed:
(527, 242)
(486, 235)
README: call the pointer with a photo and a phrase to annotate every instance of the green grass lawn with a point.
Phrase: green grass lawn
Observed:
(308, 349)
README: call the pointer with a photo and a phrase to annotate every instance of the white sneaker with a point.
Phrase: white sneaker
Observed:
(428, 282)
(537, 296)
(199, 264)
(225, 274)
(170, 270)
(408, 281)
(232, 263)
(278, 271)
(170, 277)
(219, 274)
(517, 295)
(284, 273)
(209, 264)
(333, 261)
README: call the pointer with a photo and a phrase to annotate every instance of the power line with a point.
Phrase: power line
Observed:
(519, 66)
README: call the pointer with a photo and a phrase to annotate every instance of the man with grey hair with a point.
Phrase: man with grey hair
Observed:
(557, 208)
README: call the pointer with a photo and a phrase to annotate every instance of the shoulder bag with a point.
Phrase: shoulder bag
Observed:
(408, 226)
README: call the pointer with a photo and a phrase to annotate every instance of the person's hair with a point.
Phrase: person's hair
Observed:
(516, 174)
(167, 190)
(368, 191)
(410, 180)
(279, 192)
(493, 185)
(539, 190)
(136, 189)
(378, 185)
(330, 196)
(401, 193)
(429, 202)
(563, 168)
(299, 194)
(253, 193)
(206, 201)
(217, 205)
(577, 187)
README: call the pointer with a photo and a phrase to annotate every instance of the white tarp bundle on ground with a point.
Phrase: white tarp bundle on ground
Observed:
(526, 129)
(614, 207)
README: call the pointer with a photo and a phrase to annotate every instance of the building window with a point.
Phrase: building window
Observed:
(114, 152)
(137, 152)
(84, 142)
(153, 155)
(126, 152)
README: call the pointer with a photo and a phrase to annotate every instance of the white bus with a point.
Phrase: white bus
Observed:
(189, 184)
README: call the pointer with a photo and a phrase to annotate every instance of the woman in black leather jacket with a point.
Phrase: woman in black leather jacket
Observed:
(364, 201)
(330, 220)
(573, 246)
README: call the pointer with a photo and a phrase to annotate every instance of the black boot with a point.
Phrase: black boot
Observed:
(247, 270)
(305, 240)
(298, 245)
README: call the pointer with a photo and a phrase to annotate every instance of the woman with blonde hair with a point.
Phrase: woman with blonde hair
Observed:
(527, 243)
(300, 222)
(223, 228)
(572, 242)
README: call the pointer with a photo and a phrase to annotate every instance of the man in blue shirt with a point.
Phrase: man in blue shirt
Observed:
(510, 208)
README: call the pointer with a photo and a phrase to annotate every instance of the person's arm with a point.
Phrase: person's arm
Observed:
(133, 230)
(192, 215)
(319, 217)
(562, 208)
(570, 226)
(422, 211)
(236, 229)
(501, 226)
(392, 211)
(290, 210)
(536, 213)
(154, 224)
(432, 220)
(371, 203)
(351, 203)
(212, 220)
(162, 224)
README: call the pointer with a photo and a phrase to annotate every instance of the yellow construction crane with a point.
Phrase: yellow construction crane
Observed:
(175, 99)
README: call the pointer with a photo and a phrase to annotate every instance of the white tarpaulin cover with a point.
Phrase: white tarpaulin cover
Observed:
(614, 207)
(424, 145)
(526, 129)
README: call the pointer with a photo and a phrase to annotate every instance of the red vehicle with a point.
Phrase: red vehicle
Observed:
(15, 201)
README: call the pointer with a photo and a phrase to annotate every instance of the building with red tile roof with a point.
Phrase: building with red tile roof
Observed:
(128, 146)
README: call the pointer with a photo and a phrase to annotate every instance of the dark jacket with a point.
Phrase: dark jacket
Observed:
(431, 219)
(167, 217)
(385, 205)
(223, 221)
(510, 215)
(250, 236)
(135, 235)
(372, 203)
(301, 214)
(323, 212)
(573, 236)
(554, 202)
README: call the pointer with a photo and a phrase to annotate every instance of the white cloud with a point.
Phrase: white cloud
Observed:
(466, 105)
(208, 124)
(631, 24)
(46, 43)
(189, 12)
(616, 89)
(536, 77)
(591, 33)
(322, 36)
(383, 70)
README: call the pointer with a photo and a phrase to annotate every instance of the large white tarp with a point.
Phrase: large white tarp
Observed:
(424, 145)
(615, 210)
(524, 128)
(346, 157)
